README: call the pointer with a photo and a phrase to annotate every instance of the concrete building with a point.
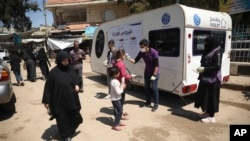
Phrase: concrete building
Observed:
(74, 16)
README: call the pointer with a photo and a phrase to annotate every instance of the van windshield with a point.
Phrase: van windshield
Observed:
(200, 35)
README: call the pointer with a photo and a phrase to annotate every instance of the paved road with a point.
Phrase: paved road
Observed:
(176, 118)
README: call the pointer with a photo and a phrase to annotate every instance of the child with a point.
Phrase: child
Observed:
(116, 89)
(111, 61)
(123, 76)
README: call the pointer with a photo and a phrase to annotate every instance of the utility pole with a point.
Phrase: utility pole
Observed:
(46, 29)
(45, 19)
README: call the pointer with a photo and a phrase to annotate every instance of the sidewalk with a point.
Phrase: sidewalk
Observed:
(239, 82)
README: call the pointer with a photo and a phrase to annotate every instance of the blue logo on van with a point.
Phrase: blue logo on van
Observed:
(165, 18)
(197, 19)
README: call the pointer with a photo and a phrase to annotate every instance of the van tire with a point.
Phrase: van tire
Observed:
(10, 106)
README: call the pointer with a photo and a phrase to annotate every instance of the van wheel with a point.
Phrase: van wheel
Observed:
(10, 106)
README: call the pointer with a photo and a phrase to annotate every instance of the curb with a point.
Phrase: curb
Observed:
(236, 87)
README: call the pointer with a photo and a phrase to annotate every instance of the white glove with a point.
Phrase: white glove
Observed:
(133, 75)
(105, 62)
(128, 57)
(153, 77)
(200, 69)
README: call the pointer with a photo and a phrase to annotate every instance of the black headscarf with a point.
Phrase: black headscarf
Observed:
(62, 55)
(210, 44)
(41, 56)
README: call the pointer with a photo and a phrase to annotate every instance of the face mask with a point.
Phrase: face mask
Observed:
(143, 50)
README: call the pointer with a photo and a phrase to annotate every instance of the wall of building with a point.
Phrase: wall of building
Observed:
(94, 12)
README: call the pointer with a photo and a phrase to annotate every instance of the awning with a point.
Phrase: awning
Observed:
(24, 35)
(25, 41)
(89, 32)
(5, 37)
(55, 44)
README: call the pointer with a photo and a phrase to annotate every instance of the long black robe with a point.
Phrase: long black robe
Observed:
(43, 62)
(64, 103)
(208, 95)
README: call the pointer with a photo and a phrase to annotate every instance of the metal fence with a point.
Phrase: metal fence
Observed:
(240, 48)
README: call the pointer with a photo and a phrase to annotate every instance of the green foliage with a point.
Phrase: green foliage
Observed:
(13, 13)
(137, 6)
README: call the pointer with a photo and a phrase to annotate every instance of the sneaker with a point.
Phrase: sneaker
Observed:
(208, 120)
(145, 105)
(204, 115)
(154, 108)
(117, 128)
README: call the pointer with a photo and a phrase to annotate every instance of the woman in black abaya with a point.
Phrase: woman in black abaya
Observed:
(208, 93)
(61, 98)
(43, 63)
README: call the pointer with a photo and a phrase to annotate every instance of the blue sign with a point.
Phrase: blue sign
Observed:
(197, 19)
(165, 18)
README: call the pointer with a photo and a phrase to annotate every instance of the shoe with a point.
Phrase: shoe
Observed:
(117, 128)
(22, 83)
(154, 108)
(124, 118)
(81, 91)
(204, 115)
(122, 124)
(18, 84)
(208, 120)
(68, 139)
(145, 105)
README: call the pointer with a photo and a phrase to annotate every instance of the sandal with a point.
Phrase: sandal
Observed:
(125, 114)
(124, 118)
(117, 128)
(122, 124)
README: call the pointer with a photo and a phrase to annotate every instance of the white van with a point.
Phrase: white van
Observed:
(177, 32)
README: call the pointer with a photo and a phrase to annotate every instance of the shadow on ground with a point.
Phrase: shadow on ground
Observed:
(52, 134)
(105, 120)
(172, 102)
(246, 95)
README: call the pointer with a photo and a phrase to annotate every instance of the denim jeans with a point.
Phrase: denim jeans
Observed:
(151, 87)
(117, 111)
(18, 76)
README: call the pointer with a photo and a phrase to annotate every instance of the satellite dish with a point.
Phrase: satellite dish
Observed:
(108, 15)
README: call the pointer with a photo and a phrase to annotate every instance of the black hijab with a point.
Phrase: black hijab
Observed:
(210, 44)
(41, 55)
(62, 55)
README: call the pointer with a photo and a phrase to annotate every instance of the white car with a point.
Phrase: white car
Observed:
(4, 55)
(7, 96)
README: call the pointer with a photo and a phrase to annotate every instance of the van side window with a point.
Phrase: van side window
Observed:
(166, 41)
(200, 35)
(99, 44)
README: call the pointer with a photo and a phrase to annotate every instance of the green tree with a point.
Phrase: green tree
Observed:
(137, 6)
(13, 13)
